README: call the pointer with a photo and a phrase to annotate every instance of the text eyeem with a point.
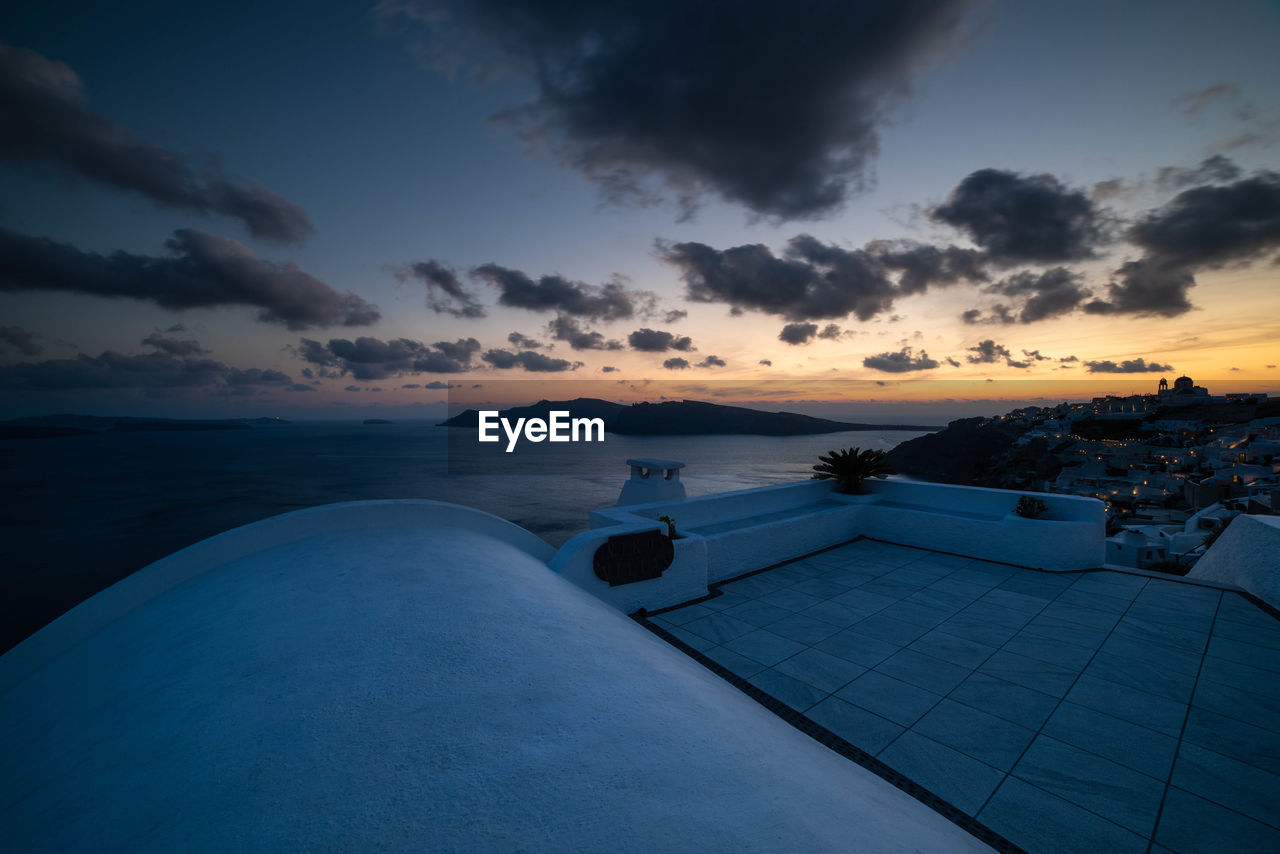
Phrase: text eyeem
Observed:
(560, 428)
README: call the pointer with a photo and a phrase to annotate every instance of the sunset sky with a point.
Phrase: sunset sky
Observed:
(313, 211)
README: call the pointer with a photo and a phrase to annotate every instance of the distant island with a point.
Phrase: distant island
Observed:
(684, 418)
(54, 426)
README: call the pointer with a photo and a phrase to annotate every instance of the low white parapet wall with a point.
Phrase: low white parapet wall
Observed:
(746, 530)
(1247, 555)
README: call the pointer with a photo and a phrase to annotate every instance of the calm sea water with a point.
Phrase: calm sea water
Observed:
(80, 513)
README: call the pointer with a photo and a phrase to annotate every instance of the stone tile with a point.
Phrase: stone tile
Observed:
(1117, 584)
(838, 615)
(1177, 596)
(1192, 825)
(977, 630)
(993, 614)
(1245, 653)
(1116, 793)
(984, 737)
(756, 585)
(1012, 601)
(1037, 821)
(718, 627)
(792, 600)
(1043, 585)
(809, 567)
(688, 638)
(1163, 681)
(923, 671)
(1064, 630)
(1081, 615)
(1094, 600)
(1121, 741)
(851, 576)
(1160, 634)
(978, 577)
(1051, 679)
(942, 600)
(735, 663)
(1268, 636)
(858, 648)
(1015, 703)
(725, 600)
(794, 693)
(821, 587)
(1231, 784)
(924, 617)
(960, 780)
(1183, 661)
(1238, 609)
(956, 650)
(894, 588)
(967, 590)
(857, 726)
(821, 670)
(1261, 682)
(1050, 650)
(1138, 707)
(889, 630)
(680, 616)
(756, 613)
(889, 698)
(864, 600)
(1238, 703)
(803, 629)
(1157, 613)
(1235, 739)
(765, 647)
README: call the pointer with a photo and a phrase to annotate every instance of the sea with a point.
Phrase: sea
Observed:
(79, 513)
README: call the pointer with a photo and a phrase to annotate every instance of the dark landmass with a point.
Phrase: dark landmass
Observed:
(48, 426)
(683, 418)
(964, 452)
(39, 431)
(376, 421)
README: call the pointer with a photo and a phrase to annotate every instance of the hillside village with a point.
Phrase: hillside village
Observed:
(1174, 467)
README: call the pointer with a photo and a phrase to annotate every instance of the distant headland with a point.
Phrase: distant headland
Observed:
(684, 418)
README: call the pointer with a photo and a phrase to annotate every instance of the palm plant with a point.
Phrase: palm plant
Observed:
(850, 467)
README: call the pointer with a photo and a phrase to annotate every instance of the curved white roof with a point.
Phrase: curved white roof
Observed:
(403, 676)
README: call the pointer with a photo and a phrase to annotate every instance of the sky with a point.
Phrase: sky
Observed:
(251, 209)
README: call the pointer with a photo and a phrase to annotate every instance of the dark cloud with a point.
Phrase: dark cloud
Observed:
(798, 333)
(987, 352)
(900, 362)
(810, 280)
(436, 384)
(1069, 359)
(1149, 286)
(1054, 292)
(1212, 170)
(1036, 356)
(300, 387)
(712, 362)
(445, 294)
(778, 109)
(1205, 227)
(374, 359)
(675, 315)
(1000, 314)
(529, 360)
(352, 388)
(659, 341)
(1215, 225)
(150, 371)
(1024, 218)
(411, 385)
(174, 346)
(608, 369)
(203, 271)
(830, 332)
(952, 362)
(1129, 366)
(523, 342)
(1113, 188)
(676, 364)
(1190, 103)
(45, 116)
(921, 265)
(610, 301)
(766, 362)
(565, 328)
(22, 340)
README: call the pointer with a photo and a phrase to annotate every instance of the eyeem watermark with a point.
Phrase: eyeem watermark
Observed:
(559, 428)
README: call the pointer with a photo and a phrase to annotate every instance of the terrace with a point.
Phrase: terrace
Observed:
(1090, 711)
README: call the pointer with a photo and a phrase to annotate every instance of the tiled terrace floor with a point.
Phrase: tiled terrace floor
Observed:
(1095, 711)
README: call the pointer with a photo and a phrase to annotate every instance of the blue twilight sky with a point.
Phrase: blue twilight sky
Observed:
(990, 129)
